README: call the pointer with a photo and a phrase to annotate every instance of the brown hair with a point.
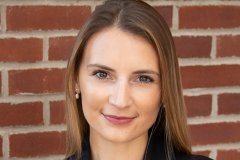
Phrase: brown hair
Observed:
(141, 19)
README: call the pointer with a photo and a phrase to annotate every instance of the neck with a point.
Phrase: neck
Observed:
(103, 149)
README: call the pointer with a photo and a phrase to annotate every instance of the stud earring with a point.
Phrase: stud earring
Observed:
(77, 94)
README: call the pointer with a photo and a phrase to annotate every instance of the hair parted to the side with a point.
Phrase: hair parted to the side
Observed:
(139, 18)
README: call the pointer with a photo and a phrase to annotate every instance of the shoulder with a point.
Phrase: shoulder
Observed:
(192, 157)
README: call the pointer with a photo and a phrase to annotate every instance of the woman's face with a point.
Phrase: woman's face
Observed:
(120, 85)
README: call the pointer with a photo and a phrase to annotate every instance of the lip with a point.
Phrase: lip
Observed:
(118, 120)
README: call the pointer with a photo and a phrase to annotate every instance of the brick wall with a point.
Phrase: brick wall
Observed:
(36, 37)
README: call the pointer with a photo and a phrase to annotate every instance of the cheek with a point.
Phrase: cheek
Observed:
(93, 95)
(150, 98)
(148, 103)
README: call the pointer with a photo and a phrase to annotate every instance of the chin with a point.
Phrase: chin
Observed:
(118, 138)
(120, 135)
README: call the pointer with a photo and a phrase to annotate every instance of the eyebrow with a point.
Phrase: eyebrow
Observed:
(101, 66)
(112, 70)
(147, 72)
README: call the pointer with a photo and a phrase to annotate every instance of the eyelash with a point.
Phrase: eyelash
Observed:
(99, 75)
(147, 79)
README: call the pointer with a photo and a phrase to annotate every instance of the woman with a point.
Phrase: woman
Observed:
(124, 95)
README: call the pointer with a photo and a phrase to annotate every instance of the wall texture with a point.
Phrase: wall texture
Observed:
(36, 37)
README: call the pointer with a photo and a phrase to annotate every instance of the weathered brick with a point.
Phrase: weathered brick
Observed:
(209, 17)
(21, 114)
(21, 50)
(60, 48)
(166, 12)
(0, 83)
(229, 104)
(37, 144)
(188, 47)
(214, 133)
(210, 76)
(198, 105)
(228, 46)
(203, 153)
(29, 18)
(228, 154)
(57, 112)
(36, 81)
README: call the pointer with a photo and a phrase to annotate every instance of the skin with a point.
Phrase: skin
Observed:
(119, 76)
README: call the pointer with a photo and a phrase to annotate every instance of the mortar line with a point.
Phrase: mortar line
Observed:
(208, 61)
(3, 19)
(212, 120)
(194, 3)
(32, 129)
(175, 18)
(63, 63)
(45, 48)
(47, 3)
(225, 146)
(213, 49)
(213, 154)
(74, 32)
(32, 98)
(34, 65)
(5, 145)
(214, 112)
(46, 113)
(5, 85)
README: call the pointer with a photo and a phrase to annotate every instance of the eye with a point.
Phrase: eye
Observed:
(101, 75)
(145, 79)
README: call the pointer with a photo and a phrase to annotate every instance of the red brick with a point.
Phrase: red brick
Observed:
(215, 133)
(21, 50)
(228, 46)
(210, 76)
(57, 112)
(0, 83)
(229, 104)
(203, 153)
(21, 114)
(209, 17)
(198, 105)
(228, 154)
(46, 17)
(37, 144)
(1, 152)
(166, 12)
(60, 48)
(193, 46)
(36, 81)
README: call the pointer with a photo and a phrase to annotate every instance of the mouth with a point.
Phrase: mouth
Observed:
(118, 120)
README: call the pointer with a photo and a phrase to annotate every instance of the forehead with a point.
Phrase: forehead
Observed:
(117, 48)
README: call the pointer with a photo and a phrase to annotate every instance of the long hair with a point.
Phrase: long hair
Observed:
(139, 18)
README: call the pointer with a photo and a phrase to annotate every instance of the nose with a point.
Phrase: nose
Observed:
(120, 96)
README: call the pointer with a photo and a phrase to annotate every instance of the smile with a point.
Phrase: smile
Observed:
(118, 120)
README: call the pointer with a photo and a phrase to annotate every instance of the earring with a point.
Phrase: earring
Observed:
(77, 94)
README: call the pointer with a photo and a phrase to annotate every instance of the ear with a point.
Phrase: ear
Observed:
(77, 87)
